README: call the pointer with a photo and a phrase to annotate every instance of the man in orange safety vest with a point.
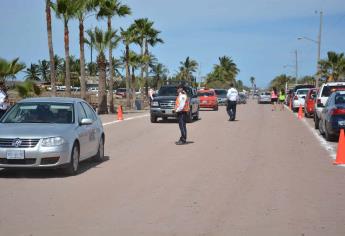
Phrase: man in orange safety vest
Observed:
(182, 109)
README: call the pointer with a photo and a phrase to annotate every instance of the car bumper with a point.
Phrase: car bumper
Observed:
(222, 101)
(297, 103)
(208, 105)
(38, 157)
(267, 100)
(162, 112)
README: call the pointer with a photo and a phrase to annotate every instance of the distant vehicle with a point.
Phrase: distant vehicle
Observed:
(121, 92)
(93, 89)
(163, 103)
(309, 105)
(302, 86)
(208, 99)
(333, 116)
(264, 97)
(50, 133)
(299, 98)
(242, 98)
(221, 95)
(321, 98)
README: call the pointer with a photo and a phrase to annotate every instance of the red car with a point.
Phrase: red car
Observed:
(208, 99)
(309, 104)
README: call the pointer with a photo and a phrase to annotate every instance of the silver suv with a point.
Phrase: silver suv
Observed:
(322, 95)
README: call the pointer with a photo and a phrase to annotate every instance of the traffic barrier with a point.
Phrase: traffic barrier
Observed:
(300, 112)
(290, 104)
(119, 113)
(340, 160)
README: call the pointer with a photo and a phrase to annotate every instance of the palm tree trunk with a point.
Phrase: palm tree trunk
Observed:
(111, 75)
(68, 72)
(128, 102)
(142, 54)
(51, 50)
(146, 69)
(102, 96)
(133, 87)
(82, 59)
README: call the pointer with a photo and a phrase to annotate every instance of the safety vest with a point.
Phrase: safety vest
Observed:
(186, 105)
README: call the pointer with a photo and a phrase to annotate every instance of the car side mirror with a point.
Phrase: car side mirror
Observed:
(86, 121)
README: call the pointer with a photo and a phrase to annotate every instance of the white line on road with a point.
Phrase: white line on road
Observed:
(326, 145)
(130, 118)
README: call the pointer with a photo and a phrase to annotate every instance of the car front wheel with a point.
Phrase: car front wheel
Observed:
(100, 153)
(153, 119)
(73, 166)
(316, 121)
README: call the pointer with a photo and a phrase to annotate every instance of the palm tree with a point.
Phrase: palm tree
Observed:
(51, 49)
(128, 37)
(333, 68)
(102, 42)
(134, 61)
(32, 73)
(66, 10)
(9, 69)
(158, 72)
(252, 82)
(224, 72)
(43, 69)
(280, 81)
(187, 68)
(109, 9)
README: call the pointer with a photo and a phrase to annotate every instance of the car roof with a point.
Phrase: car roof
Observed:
(52, 99)
(205, 90)
(334, 83)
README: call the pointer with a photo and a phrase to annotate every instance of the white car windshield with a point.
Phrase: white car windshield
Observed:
(61, 113)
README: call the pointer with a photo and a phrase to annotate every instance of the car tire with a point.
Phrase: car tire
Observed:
(316, 121)
(321, 128)
(328, 136)
(306, 114)
(164, 118)
(196, 117)
(189, 116)
(100, 153)
(216, 108)
(73, 166)
(153, 119)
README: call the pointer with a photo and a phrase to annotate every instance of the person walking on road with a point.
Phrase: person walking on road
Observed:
(232, 96)
(274, 98)
(181, 109)
(282, 99)
(3, 99)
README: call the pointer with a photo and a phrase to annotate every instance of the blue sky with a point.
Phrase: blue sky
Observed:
(259, 35)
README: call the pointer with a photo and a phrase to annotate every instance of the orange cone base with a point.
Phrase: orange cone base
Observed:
(119, 113)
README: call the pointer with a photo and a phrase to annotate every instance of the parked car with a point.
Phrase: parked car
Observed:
(208, 99)
(264, 97)
(333, 116)
(309, 105)
(242, 98)
(299, 98)
(321, 98)
(121, 92)
(163, 103)
(50, 133)
(221, 95)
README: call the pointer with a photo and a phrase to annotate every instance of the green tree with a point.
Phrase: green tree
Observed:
(109, 9)
(44, 70)
(32, 73)
(280, 81)
(9, 69)
(333, 68)
(225, 72)
(66, 10)
(187, 68)
(306, 80)
(50, 47)
(102, 42)
(28, 89)
(158, 71)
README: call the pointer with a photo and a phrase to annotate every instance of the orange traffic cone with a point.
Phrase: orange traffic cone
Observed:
(300, 112)
(340, 160)
(290, 104)
(119, 113)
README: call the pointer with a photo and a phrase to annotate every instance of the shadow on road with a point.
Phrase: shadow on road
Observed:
(47, 173)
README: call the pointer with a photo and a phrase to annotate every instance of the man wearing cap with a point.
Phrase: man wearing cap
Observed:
(3, 99)
(232, 96)
(181, 109)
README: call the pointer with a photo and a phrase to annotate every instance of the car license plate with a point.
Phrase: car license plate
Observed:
(15, 154)
(204, 102)
(341, 123)
(169, 112)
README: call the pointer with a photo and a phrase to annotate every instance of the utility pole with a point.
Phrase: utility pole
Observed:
(319, 51)
(296, 65)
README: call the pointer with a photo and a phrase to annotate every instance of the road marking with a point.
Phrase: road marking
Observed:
(130, 118)
(326, 145)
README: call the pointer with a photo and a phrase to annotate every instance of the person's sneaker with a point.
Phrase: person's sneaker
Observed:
(180, 142)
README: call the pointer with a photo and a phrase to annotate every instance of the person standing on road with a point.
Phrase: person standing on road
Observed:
(181, 109)
(282, 98)
(274, 98)
(232, 96)
(3, 99)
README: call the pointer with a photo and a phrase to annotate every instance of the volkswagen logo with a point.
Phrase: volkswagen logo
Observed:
(16, 142)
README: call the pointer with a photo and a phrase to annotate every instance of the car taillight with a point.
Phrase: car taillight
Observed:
(338, 112)
(295, 98)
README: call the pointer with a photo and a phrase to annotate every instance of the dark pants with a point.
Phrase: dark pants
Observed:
(182, 124)
(2, 112)
(231, 109)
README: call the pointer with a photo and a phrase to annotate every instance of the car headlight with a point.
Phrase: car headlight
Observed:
(53, 141)
(155, 104)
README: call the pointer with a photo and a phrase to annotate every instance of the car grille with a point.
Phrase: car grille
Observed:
(170, 105)
(24, 143)
(29, 161)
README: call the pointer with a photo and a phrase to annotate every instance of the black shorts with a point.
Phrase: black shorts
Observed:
(274, 100)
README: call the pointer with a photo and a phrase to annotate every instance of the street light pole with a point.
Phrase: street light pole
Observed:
(319, 51)
(296, 65)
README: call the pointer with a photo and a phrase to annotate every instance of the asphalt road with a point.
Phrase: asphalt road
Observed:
(264, 174)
